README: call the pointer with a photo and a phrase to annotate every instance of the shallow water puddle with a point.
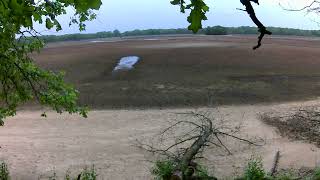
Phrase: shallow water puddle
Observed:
(151, 39)
(126, 63)
(97, 41)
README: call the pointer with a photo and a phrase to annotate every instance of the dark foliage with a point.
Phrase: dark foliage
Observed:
(216, 30)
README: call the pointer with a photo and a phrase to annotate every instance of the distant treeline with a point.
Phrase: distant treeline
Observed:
(215, 30)
(115, 33)
(219, 30)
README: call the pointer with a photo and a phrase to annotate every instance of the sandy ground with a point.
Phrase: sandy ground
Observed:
(34, 146)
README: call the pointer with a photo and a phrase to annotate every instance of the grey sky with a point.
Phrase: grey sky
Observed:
(144, 14)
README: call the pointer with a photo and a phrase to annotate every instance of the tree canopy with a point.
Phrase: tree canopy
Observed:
(20, 78)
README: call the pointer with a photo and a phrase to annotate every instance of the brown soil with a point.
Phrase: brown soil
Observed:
(192, 70)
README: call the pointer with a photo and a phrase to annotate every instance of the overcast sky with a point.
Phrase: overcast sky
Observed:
(145, 14)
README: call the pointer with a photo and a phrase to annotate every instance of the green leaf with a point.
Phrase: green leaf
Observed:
(175, 2)
(14, 5)
(58, 25)
(49, 24)
(28, 22)
(36, 17)
(94, 4)
(181, 3)
(205, 8)
(197, 15)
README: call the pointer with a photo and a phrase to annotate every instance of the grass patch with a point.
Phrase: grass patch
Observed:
(4, 171)
(254, 169)
(85, 174)
(163, 169)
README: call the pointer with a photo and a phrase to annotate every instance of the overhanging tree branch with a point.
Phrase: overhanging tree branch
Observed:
(262, 29)
(307, 7)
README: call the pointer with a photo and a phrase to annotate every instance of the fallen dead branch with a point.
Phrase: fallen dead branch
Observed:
(274, 168)
(198, 132)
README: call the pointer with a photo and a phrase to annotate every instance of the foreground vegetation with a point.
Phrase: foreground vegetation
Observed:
(85, 174)
(164, 170)
(215, 30)
(254, 170)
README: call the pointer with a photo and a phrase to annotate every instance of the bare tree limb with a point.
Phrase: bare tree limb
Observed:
(262, 29)
(205, 131)
(301, 9)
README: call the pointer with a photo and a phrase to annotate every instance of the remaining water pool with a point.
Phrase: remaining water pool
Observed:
(126, 63)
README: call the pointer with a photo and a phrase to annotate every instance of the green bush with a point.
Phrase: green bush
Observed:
(89, 174)
(163, 169)
(316, 174)
(4, 171)
(254, 169)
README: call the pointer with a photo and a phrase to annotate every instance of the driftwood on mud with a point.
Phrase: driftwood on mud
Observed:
(275, 165)
(204, 132)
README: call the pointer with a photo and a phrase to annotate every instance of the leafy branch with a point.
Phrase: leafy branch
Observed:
(198, 10)
(21, 80)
